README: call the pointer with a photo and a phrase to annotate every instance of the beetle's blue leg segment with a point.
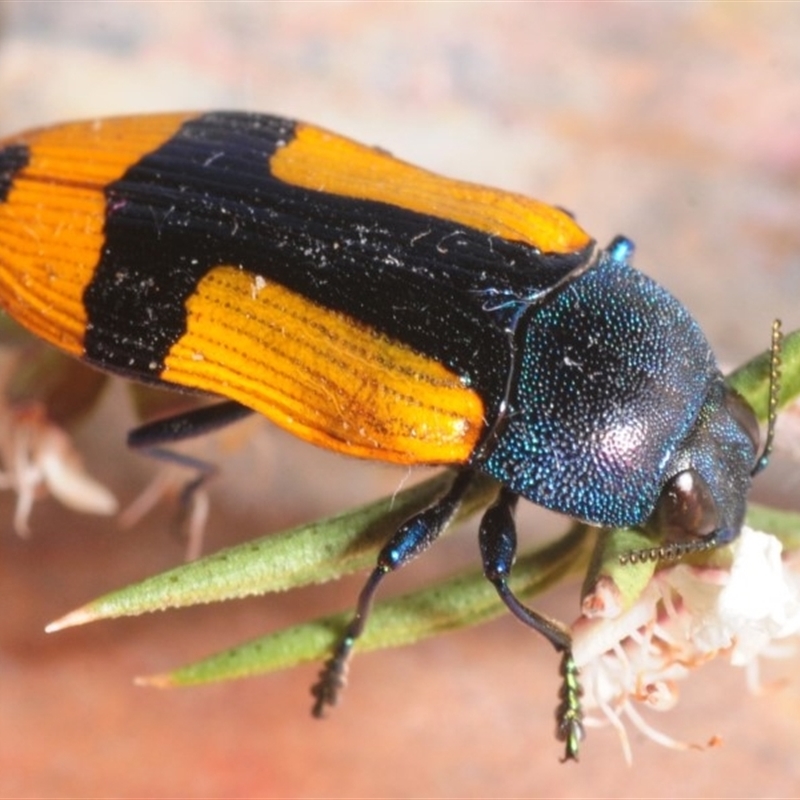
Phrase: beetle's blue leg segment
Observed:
(150, 437)
(498, 543)
(412, 538)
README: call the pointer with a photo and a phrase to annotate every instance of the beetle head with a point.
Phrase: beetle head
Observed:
(704, 499)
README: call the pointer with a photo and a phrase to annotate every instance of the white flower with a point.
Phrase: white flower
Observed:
(686, 616)
(38, 457)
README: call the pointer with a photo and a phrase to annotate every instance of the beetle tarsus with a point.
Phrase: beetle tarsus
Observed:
(569, 714)
(333, 676)
(332, 679)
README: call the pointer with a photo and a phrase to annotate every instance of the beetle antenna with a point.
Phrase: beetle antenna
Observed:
(774, 391)
(669, 551)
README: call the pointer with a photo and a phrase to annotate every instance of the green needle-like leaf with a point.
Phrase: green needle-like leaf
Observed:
(783, 524)
(752, 379)
(464, 600)
(325, 550)
(313, 553)
(608, 572)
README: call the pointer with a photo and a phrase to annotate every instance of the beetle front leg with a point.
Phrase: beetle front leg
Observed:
(498, 543)
(412, 538)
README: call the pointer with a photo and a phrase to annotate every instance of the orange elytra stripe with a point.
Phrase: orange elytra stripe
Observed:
(51, 225)
(321, 375)
(319, 160)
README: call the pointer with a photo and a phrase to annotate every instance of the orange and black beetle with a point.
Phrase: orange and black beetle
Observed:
(378, 310)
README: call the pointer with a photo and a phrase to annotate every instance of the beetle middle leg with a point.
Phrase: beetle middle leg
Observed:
(411, 538)
(498, 543)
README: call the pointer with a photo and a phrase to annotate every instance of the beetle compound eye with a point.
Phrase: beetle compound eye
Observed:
(686, 508)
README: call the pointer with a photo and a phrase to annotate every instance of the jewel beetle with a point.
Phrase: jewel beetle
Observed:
(380, 311)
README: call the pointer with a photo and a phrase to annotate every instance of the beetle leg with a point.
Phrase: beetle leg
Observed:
(150, 437)
(498, 543)
(197, 422)
(413, 537)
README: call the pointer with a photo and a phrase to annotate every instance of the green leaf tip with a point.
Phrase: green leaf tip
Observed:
(312, 553)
